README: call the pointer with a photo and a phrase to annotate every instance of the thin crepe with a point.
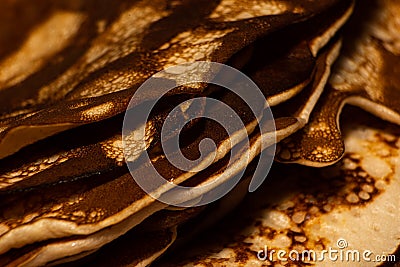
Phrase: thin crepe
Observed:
(366, 75)
(99, 83)
(306, 208)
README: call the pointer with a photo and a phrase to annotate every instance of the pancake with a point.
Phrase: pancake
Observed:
(43, 206)
(164, 166)
(143, 247)
(349, 206)
(205, 215)
(61, 193)
(294, 114)
(88, 150)
(68, 197)
(98, 83)
(366, 75)
(212, 177)
(75, 247)
(284, 63)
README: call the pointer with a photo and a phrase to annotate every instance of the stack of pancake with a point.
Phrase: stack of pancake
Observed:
(69, 70)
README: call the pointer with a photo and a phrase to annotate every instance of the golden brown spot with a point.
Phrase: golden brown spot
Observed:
(36, 52)
(233, 10)
(97, 111)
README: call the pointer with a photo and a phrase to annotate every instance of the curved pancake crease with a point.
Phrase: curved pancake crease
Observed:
(366, 75)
